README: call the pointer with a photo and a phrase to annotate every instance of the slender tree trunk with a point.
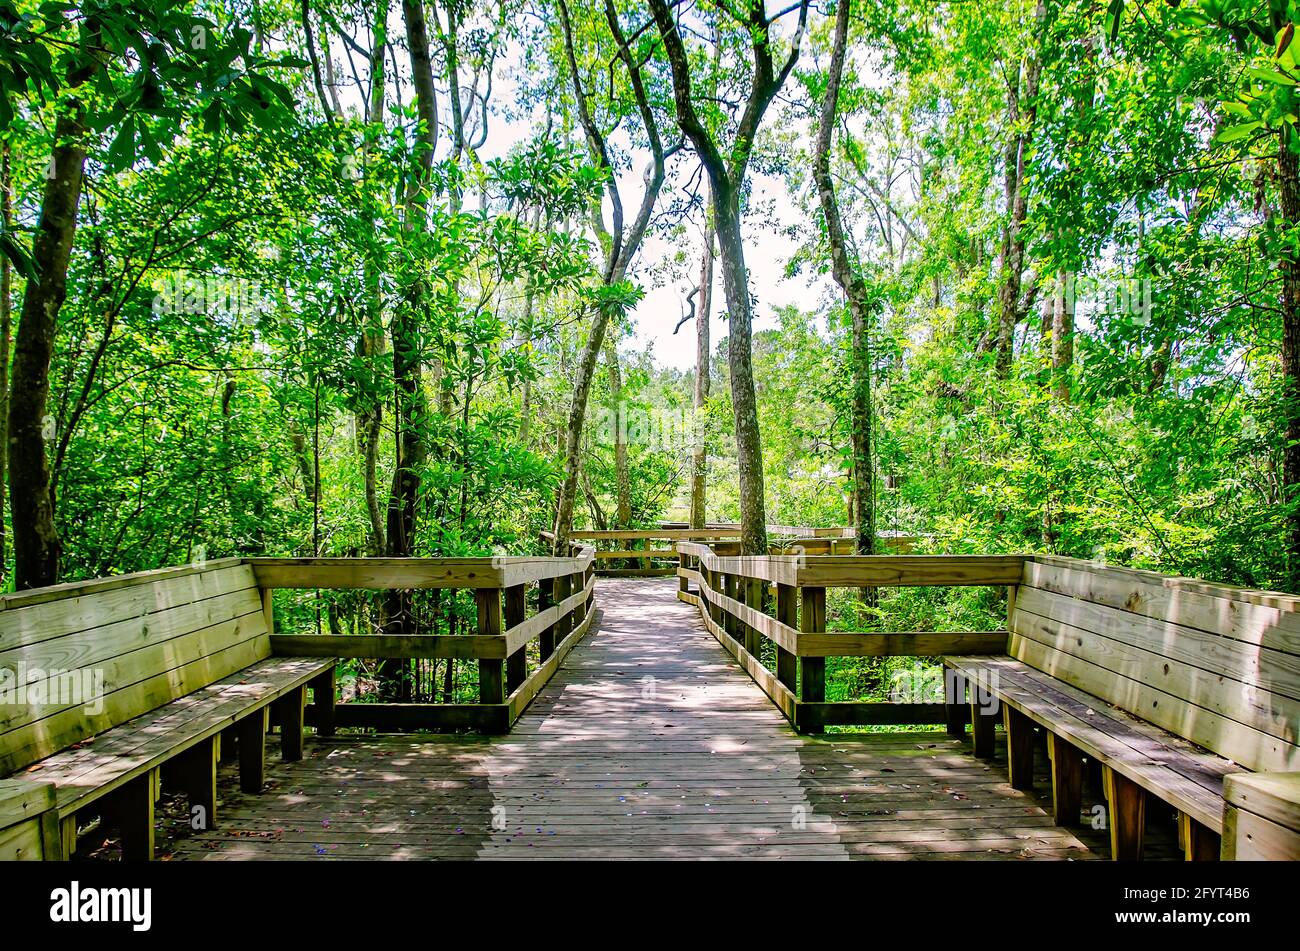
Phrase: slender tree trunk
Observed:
(727, 174)
(623, 243)
(371, 344)
(744, 401)
(36, 540)
(585, 373)
(404, 330)
(1062, 338)
(6, 333)
(1022, 95)
(1289, 185)
(623, 509)
(703, 347)
(856, 296)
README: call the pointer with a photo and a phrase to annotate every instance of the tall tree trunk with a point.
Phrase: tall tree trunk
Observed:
(36, 540)
(371, 343)
(1022, 109)
(6, 333)
(1062, 337)
(623, 242)
(703, 347)
(856, 296)
(1288, 167)
(727, 173)
(584, 374)
(404, 330)
(744, 401)
(623, 485)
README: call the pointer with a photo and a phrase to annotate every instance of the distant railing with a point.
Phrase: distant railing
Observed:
(560, 589)
(745, 600)
(649, 552)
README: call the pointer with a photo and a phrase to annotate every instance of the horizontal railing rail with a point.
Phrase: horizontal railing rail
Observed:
(745, 600)
(652, 551)
(562, 596)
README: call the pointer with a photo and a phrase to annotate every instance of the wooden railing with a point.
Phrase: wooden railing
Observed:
(560, 589)
(745, 600)
(650, 551)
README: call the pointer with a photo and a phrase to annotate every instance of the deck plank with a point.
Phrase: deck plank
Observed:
(649, 743)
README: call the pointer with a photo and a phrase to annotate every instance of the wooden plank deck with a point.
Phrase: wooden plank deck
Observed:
(649, 743)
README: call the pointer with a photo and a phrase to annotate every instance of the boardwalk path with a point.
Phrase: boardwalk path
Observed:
(648, 743)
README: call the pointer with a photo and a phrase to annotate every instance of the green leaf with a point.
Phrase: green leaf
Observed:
(1235, 132)
(1264, 74)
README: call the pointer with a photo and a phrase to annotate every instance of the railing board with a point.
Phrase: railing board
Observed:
(390, 647)
(73, 589)
(137, 603)
(1270, 671)
(521, 634)
(1197, 605)
(814, 716)
(900, 644)
(380, 574)
(493, 718)
(868, 571)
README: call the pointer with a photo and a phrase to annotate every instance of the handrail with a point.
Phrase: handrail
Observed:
(746, 599)
(564, 590)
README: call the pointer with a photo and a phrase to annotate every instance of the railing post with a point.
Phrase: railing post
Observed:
(754, 598)
(491, 680)
(516, 663)
(730, 623)
(564, 626)
(578, 582)
(787, 612)
(812, 670)
(545, 600)
(682, 584)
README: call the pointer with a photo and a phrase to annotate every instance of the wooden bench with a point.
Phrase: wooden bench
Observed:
(1169, 685)
(1261, 819)
(111, 689)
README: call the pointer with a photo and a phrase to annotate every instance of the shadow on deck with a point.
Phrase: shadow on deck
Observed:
(649, 743)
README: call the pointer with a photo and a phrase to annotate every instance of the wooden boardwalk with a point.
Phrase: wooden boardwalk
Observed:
(649, 743)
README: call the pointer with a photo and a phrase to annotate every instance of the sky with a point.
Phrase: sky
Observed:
(767, 248)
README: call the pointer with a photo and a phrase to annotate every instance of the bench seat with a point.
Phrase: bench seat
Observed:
(99, 766)
(1172, 686)
(1188, 778)
(119, 687)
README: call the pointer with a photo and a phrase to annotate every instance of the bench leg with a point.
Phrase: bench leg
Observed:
(1067, 780)
(981, 726)
(322, 701)
(52, 837)
(196, 772)
(228, 745)
(133, 810)
(1200, 843)
(252, 750)
(288, 711)
(1020, 748)
(68, 832)
(1128, 807)
(955, 703)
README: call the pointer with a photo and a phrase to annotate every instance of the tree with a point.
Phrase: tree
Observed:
(621, 241)
(188, 61)
(727, 169)
(856, 293)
